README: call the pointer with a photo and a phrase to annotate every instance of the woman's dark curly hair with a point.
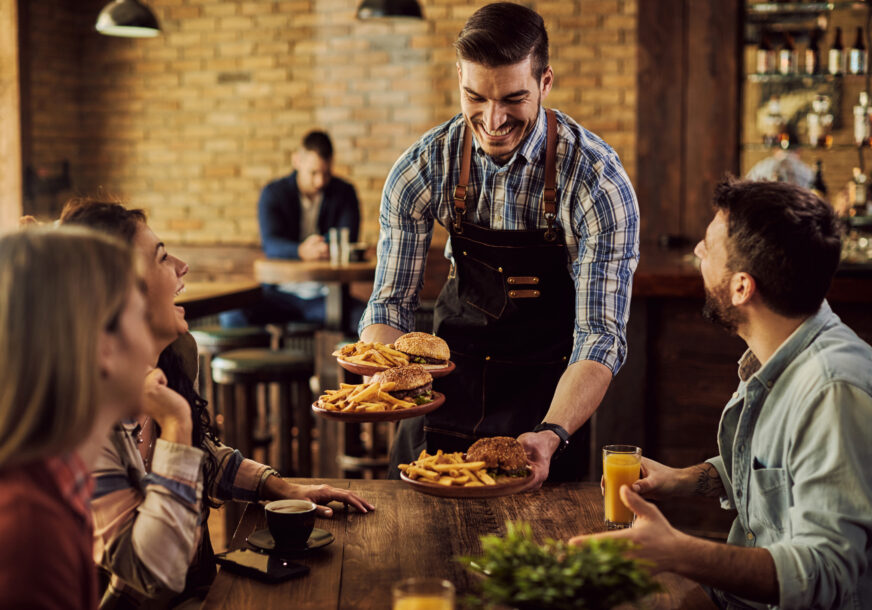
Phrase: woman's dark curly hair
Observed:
(113, 218)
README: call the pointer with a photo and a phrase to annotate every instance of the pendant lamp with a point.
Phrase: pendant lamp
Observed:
(128, 18)
(373, 9)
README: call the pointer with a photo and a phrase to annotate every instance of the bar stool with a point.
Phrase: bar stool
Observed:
(238, 373)
(213, 340)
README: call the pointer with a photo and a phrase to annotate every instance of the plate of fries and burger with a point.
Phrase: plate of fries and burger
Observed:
(390, 395)
(495, 466)
(368, 358)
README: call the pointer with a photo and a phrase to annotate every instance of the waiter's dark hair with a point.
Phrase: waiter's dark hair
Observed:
(785, 237)
(503, 34)
(319, 143)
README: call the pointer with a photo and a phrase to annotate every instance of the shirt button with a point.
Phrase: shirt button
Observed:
(741, 447)
(735, 395)
(749, 536)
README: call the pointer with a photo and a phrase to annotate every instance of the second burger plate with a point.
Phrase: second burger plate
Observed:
(372, 369)
(396, 415)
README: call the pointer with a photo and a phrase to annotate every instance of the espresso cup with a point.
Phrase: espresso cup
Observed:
(290, 522)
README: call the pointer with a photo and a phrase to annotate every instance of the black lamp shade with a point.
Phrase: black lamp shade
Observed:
(373, 9)
(128, 18)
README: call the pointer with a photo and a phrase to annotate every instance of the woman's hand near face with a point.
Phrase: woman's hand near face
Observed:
(167, 407)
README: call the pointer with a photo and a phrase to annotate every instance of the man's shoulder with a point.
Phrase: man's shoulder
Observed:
(837, 354)
(437, 141)
(284, 184)
(582, 141)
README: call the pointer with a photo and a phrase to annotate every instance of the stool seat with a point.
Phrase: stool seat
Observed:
(261, 365)
(216, 338)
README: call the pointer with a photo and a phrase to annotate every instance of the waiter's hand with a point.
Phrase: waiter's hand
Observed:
(540, 446)
(313, 248)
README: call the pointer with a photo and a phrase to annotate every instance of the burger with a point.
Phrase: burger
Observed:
(413, 383)
(425, 349)
(502, 455)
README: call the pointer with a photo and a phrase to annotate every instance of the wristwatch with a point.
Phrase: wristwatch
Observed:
(557, 429)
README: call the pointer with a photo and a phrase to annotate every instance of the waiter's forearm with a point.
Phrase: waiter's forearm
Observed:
(579, 392)
(381, 333)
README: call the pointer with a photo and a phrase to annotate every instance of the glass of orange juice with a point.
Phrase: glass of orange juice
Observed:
(423, 594)
(621, 466)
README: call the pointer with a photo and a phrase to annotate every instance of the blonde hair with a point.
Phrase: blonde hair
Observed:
(59, 288)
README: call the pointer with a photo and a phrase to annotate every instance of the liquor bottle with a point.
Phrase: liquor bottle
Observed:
(819, 187)
(859, 192)
(787, 56)
(836, 57)
(765, 56)
(812, 63)
(861, 121)
(857, 59)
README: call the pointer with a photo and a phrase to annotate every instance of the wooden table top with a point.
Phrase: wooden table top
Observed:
(280, 271)
(206, 298)
(412, 534)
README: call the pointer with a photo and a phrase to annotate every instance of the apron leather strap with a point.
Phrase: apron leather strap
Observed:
(549, 206)
(550, 194)
(460, 189)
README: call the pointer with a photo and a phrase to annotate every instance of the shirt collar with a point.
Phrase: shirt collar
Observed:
(74, 481)
(749, 365)
(531, 145)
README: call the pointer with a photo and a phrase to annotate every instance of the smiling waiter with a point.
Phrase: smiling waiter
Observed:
(543, 225)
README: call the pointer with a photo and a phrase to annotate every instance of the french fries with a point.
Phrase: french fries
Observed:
(364, 397)
(372, 354)
(447, 469)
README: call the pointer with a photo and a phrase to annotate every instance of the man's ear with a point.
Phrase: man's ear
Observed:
(547, 81)
(743, 287)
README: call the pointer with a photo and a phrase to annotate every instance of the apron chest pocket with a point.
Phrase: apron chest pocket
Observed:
(481, 286)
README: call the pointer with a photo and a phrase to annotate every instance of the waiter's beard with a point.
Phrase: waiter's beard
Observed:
(720, 310)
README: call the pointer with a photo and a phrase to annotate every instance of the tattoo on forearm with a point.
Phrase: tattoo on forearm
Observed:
(708, 481)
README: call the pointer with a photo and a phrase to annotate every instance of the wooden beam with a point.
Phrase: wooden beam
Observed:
(10, 118)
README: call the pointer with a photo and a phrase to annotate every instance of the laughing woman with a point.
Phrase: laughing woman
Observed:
(150, 512)
(74, 351)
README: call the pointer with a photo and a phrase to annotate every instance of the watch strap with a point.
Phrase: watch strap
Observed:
(557, 429)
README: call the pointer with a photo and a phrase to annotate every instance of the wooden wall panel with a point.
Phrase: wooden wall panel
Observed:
(661, 78)
(10, 112)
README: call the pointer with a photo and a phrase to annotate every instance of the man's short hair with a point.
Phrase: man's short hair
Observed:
(319, 143)
(785, 237)
(503, 34)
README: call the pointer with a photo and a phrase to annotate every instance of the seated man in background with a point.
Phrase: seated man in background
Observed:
(794, 439)
(295, 214)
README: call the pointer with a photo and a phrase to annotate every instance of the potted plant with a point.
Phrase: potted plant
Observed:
(520, 573)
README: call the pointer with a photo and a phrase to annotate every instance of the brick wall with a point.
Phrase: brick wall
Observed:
(191, 125)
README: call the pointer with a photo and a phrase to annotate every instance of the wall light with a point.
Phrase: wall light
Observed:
(128, 18)
(373, 9)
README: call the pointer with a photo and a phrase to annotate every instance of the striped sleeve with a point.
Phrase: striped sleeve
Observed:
(237, 478)
(147, 529)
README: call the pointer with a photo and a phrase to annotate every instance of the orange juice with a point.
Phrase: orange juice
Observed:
(619, 469)
(423, 602)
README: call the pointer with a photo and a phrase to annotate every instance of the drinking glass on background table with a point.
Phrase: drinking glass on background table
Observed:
(340, 248)
(423, 594)
(621, 466)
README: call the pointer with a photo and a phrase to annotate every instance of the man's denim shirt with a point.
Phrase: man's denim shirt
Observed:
(795, 458)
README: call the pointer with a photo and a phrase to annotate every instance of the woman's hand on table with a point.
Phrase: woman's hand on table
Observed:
(657, 541)
(278, 489)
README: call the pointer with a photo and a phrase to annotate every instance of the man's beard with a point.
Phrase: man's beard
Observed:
(718, 309)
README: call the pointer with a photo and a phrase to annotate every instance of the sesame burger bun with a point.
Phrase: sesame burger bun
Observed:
(413, 383)
(424, 348)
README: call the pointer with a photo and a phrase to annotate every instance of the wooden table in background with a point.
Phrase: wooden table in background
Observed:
(208, 298)
(337, 279)
(412, 534)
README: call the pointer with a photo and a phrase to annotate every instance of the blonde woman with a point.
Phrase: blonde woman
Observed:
(74, 351)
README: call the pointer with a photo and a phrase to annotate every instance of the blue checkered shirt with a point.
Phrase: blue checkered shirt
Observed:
(597, 211)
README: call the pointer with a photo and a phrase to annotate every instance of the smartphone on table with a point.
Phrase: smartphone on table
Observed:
(268, 568)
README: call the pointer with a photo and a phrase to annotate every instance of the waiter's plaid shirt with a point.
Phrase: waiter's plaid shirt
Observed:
(597, 212)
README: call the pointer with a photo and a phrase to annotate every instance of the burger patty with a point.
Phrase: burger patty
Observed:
(500, 452)
(424, 360)
(413, 393)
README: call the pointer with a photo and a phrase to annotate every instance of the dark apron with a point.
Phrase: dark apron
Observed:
(507, 312)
